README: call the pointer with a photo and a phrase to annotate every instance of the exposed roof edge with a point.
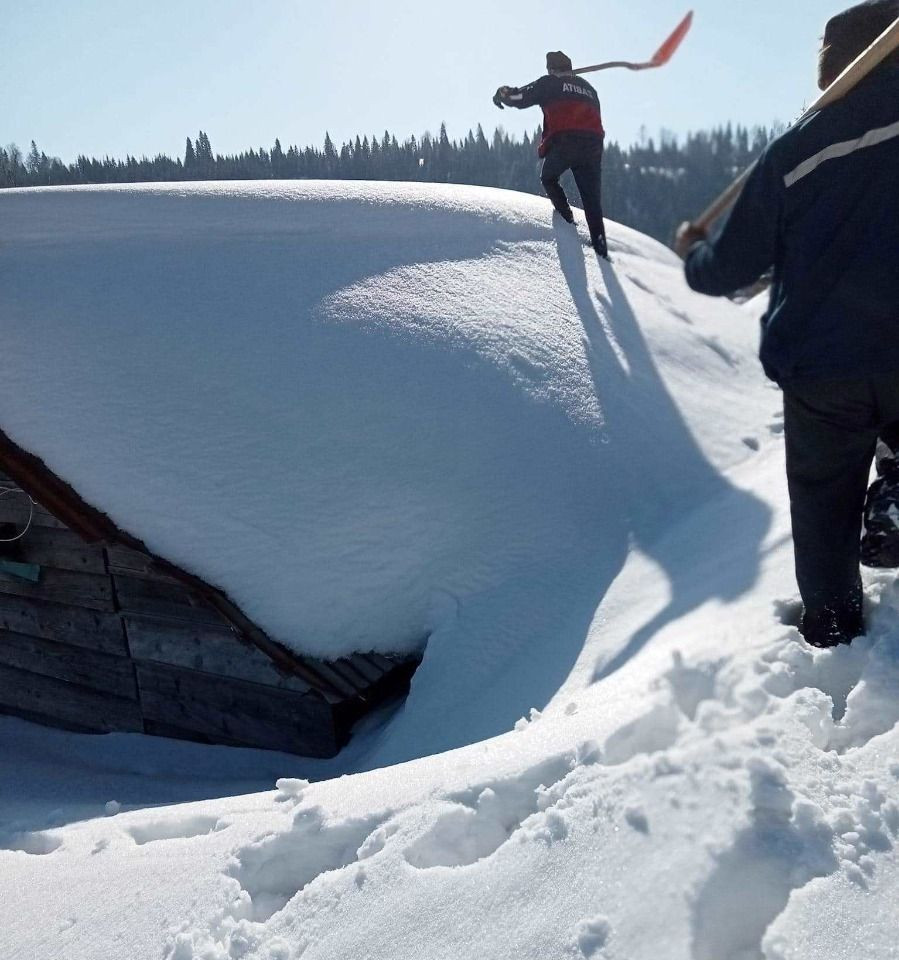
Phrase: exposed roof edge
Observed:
(61, 499)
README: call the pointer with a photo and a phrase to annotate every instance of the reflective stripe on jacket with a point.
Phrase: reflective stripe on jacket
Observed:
(822, 208)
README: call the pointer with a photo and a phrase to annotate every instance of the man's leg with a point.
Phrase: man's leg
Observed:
(880, 543)
(889, 434)
(831, 432)
(554, 165)
(588, 177)
(886, 391)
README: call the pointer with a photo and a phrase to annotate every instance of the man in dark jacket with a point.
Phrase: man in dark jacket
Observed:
(572, 138)
(822, 208)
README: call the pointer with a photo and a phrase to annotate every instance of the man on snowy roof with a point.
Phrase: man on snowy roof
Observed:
(822, 208)
(572, 138)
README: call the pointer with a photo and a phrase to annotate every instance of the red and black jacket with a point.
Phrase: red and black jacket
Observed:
(568, 102)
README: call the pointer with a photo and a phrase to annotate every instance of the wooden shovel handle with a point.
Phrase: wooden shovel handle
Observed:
(882, 47)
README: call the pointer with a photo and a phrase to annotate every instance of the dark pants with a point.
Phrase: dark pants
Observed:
(583, 157)
(831, 430)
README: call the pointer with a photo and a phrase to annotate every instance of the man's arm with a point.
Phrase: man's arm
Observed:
(747, 244)
(521, 97)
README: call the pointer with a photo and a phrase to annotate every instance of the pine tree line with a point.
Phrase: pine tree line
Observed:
(650, 186)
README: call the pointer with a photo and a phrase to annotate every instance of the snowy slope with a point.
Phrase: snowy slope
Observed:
(699, 803)
(694, 784)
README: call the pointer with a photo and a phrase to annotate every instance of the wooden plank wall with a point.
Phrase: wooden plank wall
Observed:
(198, 679)
(105, 641)
(63, 652)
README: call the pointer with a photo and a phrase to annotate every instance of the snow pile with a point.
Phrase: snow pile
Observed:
(743, 804)
(363, 410)
(670, 773)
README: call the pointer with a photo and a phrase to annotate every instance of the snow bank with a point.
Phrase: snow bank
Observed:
(671, 773)
(362, 410)
(727, 794)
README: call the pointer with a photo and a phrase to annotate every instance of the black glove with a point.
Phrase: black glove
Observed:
(498, 96)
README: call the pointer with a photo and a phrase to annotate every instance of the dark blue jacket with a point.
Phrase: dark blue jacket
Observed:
(822, 208)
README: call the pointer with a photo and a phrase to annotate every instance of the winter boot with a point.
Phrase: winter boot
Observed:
(880, 540)
(600, 246)
(830, 626)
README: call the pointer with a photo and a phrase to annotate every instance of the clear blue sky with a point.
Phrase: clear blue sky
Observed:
(111, 77)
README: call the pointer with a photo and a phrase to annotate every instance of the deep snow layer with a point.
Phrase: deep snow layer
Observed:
(726, 794)
(371, 413)
(693, 784)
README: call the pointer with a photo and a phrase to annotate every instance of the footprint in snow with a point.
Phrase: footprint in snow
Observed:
(656, 730)
(476, 822)
(635, 817)
(713, 344)
(691, 685)
(789, 612)
(36, 844)
(274, 869)
(591, 935)
(784, 846)
(182, 828)
(836, 672)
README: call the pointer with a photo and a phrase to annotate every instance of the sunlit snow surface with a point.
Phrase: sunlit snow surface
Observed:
(569, 475)
(360, 409)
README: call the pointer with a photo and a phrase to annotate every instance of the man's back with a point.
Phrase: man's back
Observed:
(823, 208)
(569, 104)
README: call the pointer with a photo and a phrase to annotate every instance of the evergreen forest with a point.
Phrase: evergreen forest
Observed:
(651, 185)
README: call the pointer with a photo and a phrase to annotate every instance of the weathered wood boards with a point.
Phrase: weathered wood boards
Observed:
(104, 672)
(78, 627)
(66, 704)
(83, 590)
(236, 711)
(107, 639)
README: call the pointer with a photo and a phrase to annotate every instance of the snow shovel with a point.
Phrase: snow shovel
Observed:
(866, 61)
(658, 59)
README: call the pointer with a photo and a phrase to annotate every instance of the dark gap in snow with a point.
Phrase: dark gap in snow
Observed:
(37, 844)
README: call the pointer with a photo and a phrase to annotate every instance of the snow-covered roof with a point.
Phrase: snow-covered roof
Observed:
(573, 474)
(363, 410)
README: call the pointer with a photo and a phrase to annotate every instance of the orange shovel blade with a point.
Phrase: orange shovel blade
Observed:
(666, 50)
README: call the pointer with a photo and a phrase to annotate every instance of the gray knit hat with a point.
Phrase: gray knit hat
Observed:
(849, 33)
